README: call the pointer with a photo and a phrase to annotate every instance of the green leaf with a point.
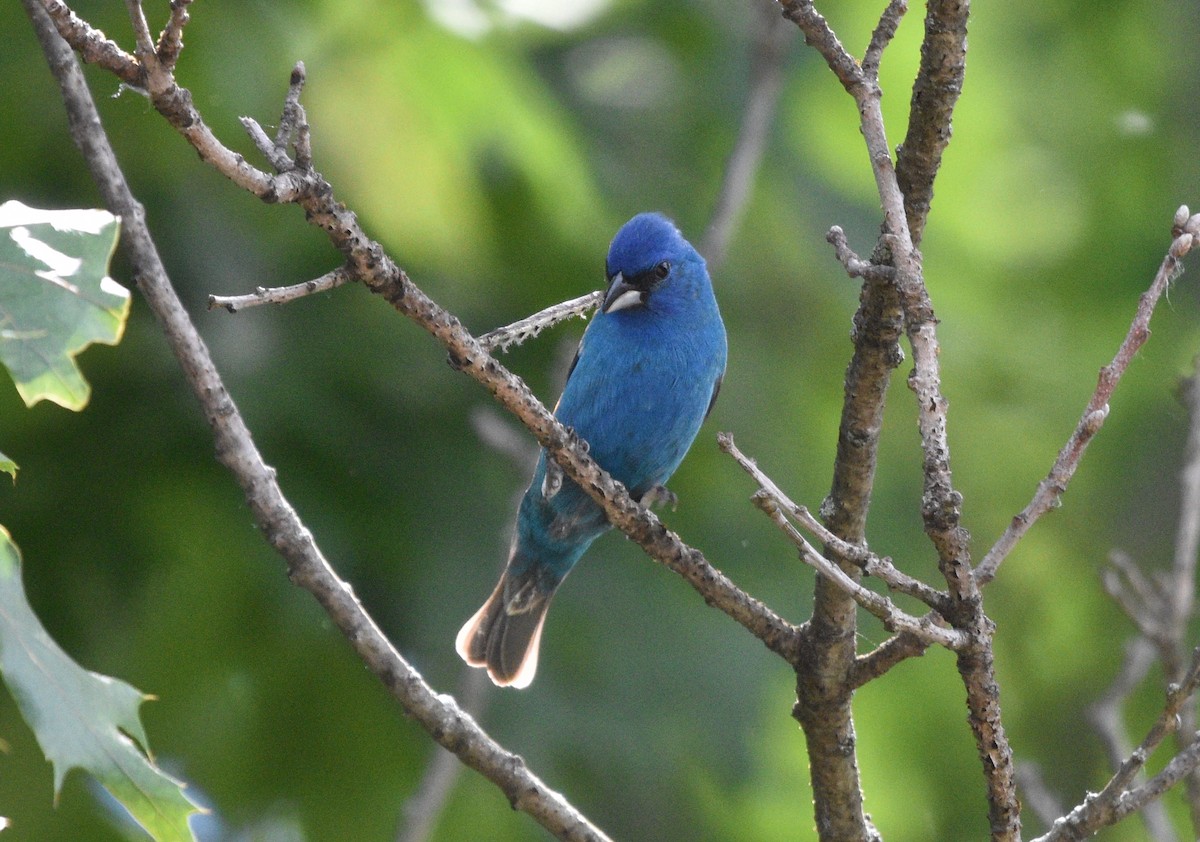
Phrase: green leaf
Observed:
(8, 466)
(83, 719)
(56, 297)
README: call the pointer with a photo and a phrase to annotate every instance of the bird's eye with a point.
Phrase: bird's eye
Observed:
(662, 270)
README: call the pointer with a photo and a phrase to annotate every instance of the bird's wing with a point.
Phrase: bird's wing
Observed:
(716, 391)
(570, 371)
(574, 362)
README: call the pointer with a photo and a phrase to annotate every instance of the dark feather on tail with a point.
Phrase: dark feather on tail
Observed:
(505, 632)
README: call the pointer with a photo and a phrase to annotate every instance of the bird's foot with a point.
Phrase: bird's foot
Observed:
(659, 495)
(552, 482)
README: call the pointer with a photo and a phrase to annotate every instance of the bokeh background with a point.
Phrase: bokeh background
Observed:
(494, 146)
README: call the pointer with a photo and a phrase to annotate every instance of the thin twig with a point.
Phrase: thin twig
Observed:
(1117, 800)
(1106, 717)
(502, 338)
(141, 29)
(281, 295)
(1050, 490)
(293, 123)
(884, 32)
(854, 265)
(170, 40)
(895, 650)
(1143, 601)
(893, 619)
(858, 554)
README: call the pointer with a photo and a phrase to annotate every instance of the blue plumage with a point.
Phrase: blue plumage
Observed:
(644, 378)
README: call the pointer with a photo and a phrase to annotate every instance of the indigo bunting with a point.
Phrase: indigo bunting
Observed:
(644, 378)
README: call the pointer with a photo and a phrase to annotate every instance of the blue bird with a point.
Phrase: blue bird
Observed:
(644, 378)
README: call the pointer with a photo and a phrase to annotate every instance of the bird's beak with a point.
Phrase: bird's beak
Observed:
(620, 295)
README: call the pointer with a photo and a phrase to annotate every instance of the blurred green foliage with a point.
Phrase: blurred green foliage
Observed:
(494, 156)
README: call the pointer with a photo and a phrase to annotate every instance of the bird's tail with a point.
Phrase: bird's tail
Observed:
(504, 634)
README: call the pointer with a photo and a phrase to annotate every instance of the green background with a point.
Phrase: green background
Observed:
(494, 157)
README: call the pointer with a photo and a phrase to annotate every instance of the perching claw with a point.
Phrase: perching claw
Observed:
(659, 495)
(552, 483)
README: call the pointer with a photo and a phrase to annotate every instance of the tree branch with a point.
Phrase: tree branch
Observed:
(170, 40)
(857, 554)
(1117, 800)
(824, 688)
(439, 715)
(884, 32)
(935, 93)
(1106, 718)
(854, 265)
(893, 619)
(170, 100)
(896, 649)
(1050, 490)
(503, 338)
(941, 504)
(282, 295)
(1161, 608)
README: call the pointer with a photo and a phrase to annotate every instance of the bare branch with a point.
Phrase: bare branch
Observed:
(502, 338)
(170, 40)
(1143, 601)
(857, 554)
(439, 715)
(496, 430)
(934, 95)
(270, 150)
(1182, 592)
(92, 45)
(293, 123)
(281, 295)
(819, 36)
(1117, 800)
(894, 650)
(893, 619)
(885, 30)
(1181, 587)
(172, 101)
(1050, 490)
(941, 504)
(141, 29)
(1106, 717)
(1161, 606)
(854, 265)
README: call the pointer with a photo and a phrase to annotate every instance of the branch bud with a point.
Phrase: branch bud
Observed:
(1181, 216)
(1181, 245)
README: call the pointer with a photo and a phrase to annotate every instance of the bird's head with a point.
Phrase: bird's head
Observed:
(646, 256)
